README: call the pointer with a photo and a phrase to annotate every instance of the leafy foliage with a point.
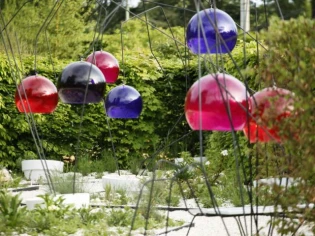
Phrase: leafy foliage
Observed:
(59, 28)
(288, 63)
(12, 214)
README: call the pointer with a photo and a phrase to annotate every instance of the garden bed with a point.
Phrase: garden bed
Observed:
(112, 209)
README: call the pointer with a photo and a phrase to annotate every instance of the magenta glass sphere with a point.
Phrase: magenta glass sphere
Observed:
(208, 99)
(81, 83)
(211, 31)
(36, 94)
(107, 63)
(123, 102)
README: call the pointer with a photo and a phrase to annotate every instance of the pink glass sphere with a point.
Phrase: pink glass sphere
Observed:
(107, 63)
(215, 93)
(269, 106)
(36, 94)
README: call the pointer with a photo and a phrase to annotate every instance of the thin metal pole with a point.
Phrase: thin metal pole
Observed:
(245, 11)
(127, 9)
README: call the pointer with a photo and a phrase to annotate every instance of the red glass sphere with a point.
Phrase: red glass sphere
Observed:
(36, 94)
(107, 63)
(208, 99)
(269, 106)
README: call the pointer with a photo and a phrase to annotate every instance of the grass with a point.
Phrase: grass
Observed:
(64, 183)
(117, 196)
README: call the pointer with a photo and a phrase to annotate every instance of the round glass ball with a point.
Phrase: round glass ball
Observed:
(36, 94)
(123, 102)
(81, 83)
(211, 31)
(269, 107)
(107, 63)
(211, 97)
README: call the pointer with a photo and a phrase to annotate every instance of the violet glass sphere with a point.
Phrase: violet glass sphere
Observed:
(123, 102)
(217, 32)
(36, 94)
(76, 78)
(215, 93)
(107, 63)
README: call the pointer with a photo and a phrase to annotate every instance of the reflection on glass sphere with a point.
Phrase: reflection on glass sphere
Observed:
(80, 83)
(211, 31)
(107, 63)
(36, 94)
(211, 97)
(123, 102)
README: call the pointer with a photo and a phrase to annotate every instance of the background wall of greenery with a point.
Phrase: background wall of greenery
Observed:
(162, 72)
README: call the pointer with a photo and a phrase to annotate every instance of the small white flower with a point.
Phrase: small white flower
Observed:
(225, 152)
(207, 163)
(53, 208)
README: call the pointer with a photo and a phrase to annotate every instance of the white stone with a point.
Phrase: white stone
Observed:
(34, 170)
(197, 160)
(283, 182)
(78, 200)
(130, 183)
(5, 176)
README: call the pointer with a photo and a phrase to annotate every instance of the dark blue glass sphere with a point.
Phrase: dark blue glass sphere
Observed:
(81, 83)
(217, 32)
(123, 102)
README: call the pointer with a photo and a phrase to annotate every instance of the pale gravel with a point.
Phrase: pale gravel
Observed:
(217, 226)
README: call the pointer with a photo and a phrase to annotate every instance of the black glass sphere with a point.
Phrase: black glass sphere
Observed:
(81, 83)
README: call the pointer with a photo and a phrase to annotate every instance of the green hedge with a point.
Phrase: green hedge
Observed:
(62, 132)
(161, 75)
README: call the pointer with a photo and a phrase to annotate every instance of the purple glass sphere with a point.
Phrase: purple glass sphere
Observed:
(123, 102)
(81, 83)
(217, 32)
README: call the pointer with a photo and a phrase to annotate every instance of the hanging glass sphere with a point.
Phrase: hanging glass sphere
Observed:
(211, 31)
(81, 83)
(36, 94)
(123, 102)
(107, 63)
(269, 107)
(209, 98)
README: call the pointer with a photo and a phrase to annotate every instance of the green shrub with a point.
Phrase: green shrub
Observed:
(12, 213)
(65, 183)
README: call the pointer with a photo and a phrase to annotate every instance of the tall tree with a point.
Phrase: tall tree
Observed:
(47, 26)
